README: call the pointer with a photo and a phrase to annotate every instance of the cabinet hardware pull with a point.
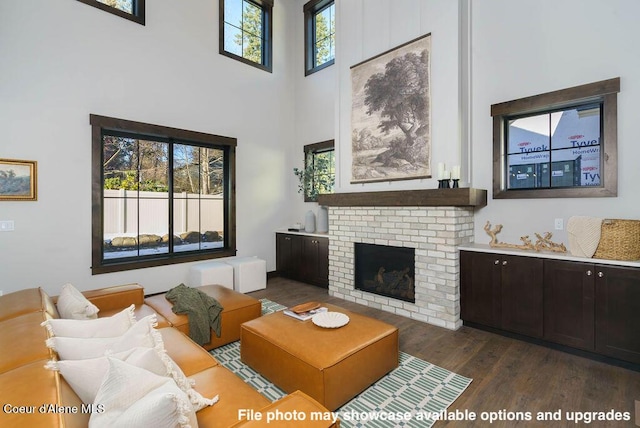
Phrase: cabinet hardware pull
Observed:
(600, 274)
(504, 263)
(589, 273)
(497, 262)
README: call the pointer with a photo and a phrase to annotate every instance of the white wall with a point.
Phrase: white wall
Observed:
(314, 116)
(63, 60)
(530, 47)
(516, 49)
(367, 28)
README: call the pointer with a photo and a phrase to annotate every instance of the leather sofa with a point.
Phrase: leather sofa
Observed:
(33, 396)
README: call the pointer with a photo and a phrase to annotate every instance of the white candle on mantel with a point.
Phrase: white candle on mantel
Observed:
(441, 171)
(446, 175)
(455, 174)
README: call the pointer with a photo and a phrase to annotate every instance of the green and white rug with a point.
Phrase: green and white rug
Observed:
(413, 395)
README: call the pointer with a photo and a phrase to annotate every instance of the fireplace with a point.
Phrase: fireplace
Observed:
(433, 222)
(385, 270)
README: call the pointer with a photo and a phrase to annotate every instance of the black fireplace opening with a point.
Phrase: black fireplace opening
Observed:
(385, 270)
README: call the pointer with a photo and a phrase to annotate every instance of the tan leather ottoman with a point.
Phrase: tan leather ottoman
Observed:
(330, 365)
(238, 308)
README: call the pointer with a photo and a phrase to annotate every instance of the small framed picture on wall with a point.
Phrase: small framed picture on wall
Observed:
(18, 180)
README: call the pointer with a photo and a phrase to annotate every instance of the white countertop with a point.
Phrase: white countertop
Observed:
(485, 248)
(302, 232)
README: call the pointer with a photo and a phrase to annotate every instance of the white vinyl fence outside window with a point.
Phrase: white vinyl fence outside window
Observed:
(126, 210)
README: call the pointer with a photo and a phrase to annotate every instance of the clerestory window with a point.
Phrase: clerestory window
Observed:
(246, 31)
(133, 10)
(319, 35)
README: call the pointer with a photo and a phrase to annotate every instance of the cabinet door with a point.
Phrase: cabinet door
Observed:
(522, 305)
(569, 303)
(618, 312)
(288, 255)
(315, 261)
(480, 288)
(323, 263)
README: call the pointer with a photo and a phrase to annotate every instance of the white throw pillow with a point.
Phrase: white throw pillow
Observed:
(140, 334)
(135, 397)
(86, 376)
(72, 304)
(113, 326)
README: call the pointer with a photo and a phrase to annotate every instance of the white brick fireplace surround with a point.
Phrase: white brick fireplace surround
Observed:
(435, 232)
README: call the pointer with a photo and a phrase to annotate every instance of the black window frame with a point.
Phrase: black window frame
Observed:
(137, 16)
(311, 9)
(267, 35)
(310, 150)
(603, 93)
(102, 125)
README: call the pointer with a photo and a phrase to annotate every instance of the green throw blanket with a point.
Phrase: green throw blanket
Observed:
(204, 312)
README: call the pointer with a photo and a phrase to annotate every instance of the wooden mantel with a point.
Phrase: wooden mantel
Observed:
(459, 197)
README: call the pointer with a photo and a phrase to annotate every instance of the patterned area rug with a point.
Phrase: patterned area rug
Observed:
(413, 395)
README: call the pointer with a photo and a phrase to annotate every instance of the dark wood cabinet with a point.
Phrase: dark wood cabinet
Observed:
(502, 291)
(303, 258)
(588, 306)
(288, 255)
(569, 303)
(522, 307)
(480, 288)
(617, 296)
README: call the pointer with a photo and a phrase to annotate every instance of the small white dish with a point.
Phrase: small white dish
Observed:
(330, 319)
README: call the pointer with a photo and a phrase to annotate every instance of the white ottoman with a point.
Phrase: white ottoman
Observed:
(211, 273)
(249, 273)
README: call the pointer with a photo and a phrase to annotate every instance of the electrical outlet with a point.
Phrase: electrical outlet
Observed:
(559, 224)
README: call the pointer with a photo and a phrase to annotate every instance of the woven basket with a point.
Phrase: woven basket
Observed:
(619, 240)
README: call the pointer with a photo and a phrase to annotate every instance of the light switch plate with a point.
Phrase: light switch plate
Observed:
(6, 226)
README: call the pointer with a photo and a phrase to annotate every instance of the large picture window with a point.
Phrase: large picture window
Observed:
(161, 195)
(559, 144)
(133, 10)
(245, 31)
(319, 35)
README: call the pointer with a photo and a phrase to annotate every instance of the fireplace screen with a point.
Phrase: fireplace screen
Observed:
(385, 270)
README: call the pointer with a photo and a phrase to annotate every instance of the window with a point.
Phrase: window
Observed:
(319, 35)
(245, 31)
(558, 144)
(319, 174)
(160, 195)
(128, 9)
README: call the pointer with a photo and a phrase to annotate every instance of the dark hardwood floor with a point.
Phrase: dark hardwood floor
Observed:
(509, 375)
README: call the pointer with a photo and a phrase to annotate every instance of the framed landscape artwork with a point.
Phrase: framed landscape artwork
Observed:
(18, 180)
(391, 114)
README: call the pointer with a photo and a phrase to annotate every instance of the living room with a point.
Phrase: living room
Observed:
(63, 60)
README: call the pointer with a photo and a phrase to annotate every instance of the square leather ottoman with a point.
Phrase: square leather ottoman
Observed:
(330, 365)
(238, 308)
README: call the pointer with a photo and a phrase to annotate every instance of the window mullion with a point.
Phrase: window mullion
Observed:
(170, 186)
(138, 197)
(550, 155)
